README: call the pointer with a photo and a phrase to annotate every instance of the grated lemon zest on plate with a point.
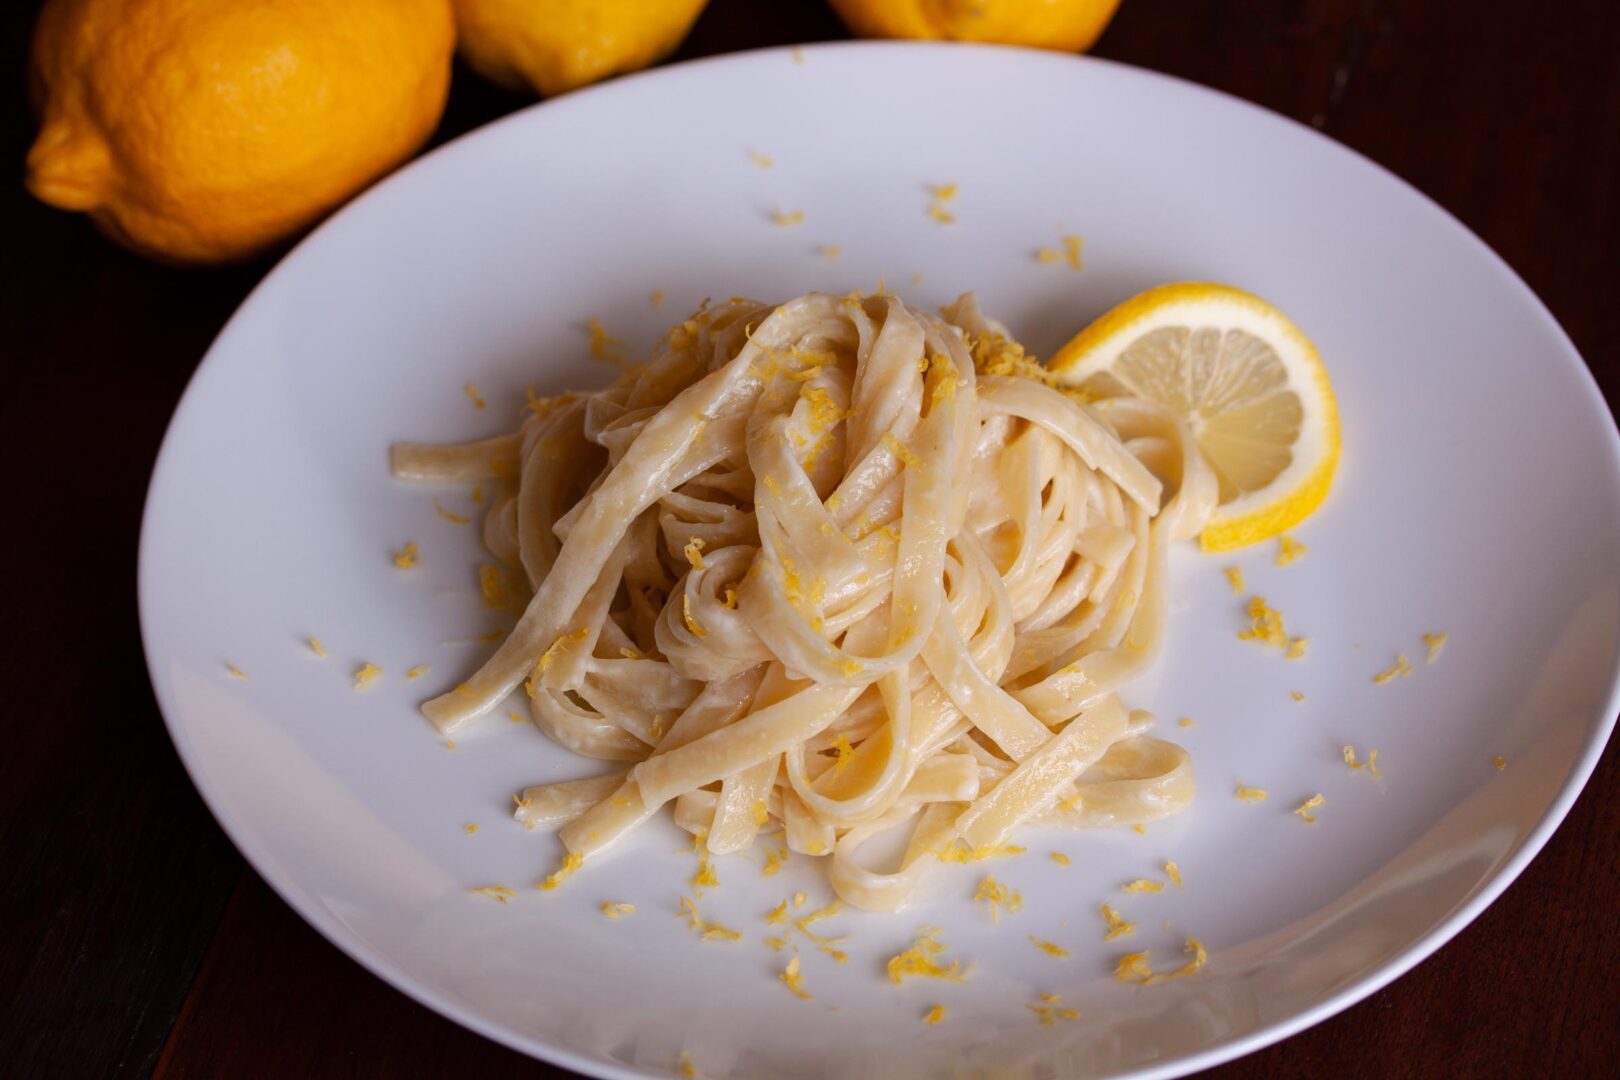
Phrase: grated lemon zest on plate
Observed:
(1199, 956)
(1133, 967)
(1250, 794)
(1296, 648)
(999, 897)
(786, 218)
(1139, 829)
(1289, 549)
(705, 876)
(1234, 575)
(610, 910)
(774, 857)
(453, 518)
(918, 962)
(1304, 809)
(1372, 762)
(1401, 666)
(449, 744)
(778, 914)
(1046, 256)
(687, 1070)
(1049, 1010)
(762, 160)
(1116, 923)
(1143, 885)
(405, 557)
(1499, 761)
(495, 892)
(707, 931)
(416, 672)
(1297, 695)
(316, 647)
(1061, 859)
(933, 1016)
(236, 672)
(571, 862)
(776, 944)
(694, 552)
(830, 252)
(1050, 948)
(472, 393)
(469, 828)
(1071, 251)
(1173, 872)
(795, 982)
(1185, 721)
(603, 345)
(1434, 643)
(1265, 624)
(365, 675)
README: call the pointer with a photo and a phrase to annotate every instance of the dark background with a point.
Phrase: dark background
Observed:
(133, 939)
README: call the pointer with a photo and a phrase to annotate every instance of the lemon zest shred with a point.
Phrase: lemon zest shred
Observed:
(918, 962)
(795, 981)
(933, 1016)
(786, 218)
(416, 672)
(1434, 643)
(571, 862)
(1173, 872)
(1050, 948)
(1296, 648)
(1297, 695)
(469, 828)
(560, 646)
(611, 910)
(1185, 721)
(1289, 549)
(1133, 967)
(999, 897)
(694, 552)
(236, 672)
(687, 1069)
(603, 345)
(1304, 809)
(762, 160)
(830, 252)
(901, 451)
(1060, 858)
(1234, 575)
(1143, 885)
(1401, 666)
(365, 675)
(692, 624)
(1500, 762)
(1117, 925)
(500, 893)
(472, 394)
(405, 557)
(316, 647)
(453, 518)
(1071, 251)
(1265, 624)
(1244, 793)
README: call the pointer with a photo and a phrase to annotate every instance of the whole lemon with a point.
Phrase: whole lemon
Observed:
(208, 130)
(1066, 25)
(553, 46)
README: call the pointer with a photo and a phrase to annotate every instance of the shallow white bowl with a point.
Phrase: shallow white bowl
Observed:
(1479, 495)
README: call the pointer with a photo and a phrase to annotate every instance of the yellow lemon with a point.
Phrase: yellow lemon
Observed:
(208, 130)
(553, 46)
(1247, 380)
(1065, 25)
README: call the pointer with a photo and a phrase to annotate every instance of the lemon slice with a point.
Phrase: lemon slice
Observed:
(1250, 384)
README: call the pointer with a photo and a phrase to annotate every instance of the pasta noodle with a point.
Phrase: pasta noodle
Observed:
(836, 567)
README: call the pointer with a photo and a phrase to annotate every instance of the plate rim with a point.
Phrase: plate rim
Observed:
(266, 866)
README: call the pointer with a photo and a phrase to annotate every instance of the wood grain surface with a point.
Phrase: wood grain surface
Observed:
(135, 941)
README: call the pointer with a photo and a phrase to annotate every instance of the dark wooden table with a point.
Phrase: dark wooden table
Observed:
(134, 940)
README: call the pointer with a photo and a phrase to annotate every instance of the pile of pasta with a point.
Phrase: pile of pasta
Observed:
(833, 567)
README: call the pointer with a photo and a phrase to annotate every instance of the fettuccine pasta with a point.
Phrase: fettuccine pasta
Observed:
(835, 567)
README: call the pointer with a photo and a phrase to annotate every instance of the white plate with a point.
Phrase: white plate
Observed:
(1478, 496)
